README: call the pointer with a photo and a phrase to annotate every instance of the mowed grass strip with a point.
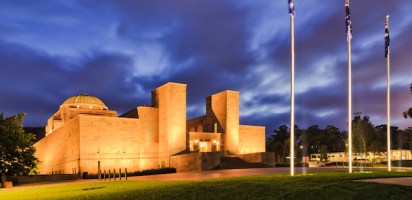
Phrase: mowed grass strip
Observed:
(325, 185)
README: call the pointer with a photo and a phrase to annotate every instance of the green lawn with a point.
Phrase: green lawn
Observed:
(325, 185)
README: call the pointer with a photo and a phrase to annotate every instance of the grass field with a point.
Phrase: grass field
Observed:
(325, 185)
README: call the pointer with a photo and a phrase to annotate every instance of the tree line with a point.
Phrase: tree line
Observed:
(366, 137)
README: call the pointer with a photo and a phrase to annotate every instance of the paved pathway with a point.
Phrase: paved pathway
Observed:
(229, 173)
(47, 184)
(186, 176)
(406, 181)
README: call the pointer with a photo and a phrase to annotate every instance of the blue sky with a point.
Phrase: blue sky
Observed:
(120, 50)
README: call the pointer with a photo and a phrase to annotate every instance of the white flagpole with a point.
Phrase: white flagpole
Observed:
(350, 102)
(349, 38)
(292, 95)
(388, 100)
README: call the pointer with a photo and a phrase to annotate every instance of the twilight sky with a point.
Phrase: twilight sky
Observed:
(120, 50)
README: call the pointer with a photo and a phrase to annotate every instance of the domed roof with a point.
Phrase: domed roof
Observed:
(84, 99)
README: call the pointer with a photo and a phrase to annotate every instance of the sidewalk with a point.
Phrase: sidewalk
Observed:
(188, 176)
(228, 173)
(231, 173)
(406, 181)
(47, 184)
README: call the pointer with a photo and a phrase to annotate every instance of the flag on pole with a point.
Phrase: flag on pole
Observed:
(291, 8)
(387, 39)
(348, 21)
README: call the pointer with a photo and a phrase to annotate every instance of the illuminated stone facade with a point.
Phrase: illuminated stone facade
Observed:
(84, 132)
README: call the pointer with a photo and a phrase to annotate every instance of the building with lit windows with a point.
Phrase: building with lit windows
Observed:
(369, 157)
(84, 134)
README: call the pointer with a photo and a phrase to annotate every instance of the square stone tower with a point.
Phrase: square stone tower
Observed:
(224, 107)
(170, 99)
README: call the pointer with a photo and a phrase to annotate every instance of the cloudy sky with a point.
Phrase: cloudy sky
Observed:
(120, 50)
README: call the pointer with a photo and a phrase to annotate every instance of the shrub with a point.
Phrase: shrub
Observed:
(288, 165)
(166, 170)
(399, 163)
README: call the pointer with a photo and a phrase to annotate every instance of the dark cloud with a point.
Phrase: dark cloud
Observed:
(23, 88)
(36, 83)
(121, 50)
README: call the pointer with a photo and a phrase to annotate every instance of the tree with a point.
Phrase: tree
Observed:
(323, 141)
(378, 144)
(408, 138)
(407, 113)
(278, 142)
(364, 133)
(312, 139)
(333, 139)
(16, 147)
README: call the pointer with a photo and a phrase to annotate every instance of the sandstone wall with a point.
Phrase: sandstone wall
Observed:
(251, 139)
(112, 141)
(264, 157)
(195, 162)
(59, 151)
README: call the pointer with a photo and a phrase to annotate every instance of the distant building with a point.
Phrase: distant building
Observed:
(396, 154)
(84, 134)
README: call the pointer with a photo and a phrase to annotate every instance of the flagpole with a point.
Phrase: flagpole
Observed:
(292, 95)
(349, 39)
(350, 101)
(388, 100)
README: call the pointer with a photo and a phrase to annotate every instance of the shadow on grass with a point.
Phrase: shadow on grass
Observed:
(93, 188)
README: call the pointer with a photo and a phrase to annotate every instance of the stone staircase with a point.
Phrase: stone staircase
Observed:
(233, 162)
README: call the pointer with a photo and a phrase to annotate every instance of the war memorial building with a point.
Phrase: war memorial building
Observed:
(84, 133)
